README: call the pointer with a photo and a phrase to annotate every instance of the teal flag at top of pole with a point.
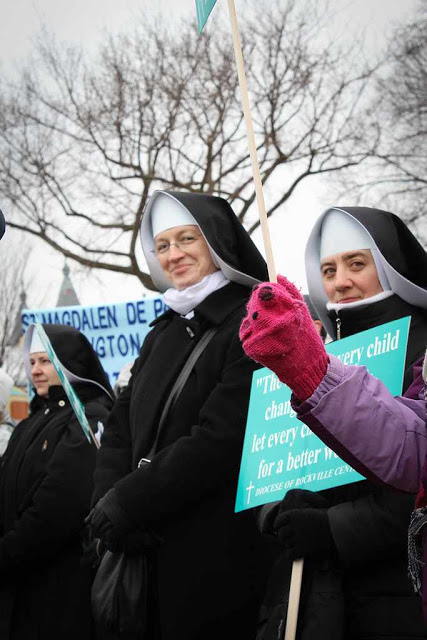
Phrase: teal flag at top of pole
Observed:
(203, 8)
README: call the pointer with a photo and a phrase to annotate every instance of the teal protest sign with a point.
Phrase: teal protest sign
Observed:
(115, 331)
(71, 394)
(281, 453)
(203, 8)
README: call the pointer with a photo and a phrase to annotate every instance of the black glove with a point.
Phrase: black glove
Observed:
(110, 524)
(305, 532)
(302, 524)
(108, 521)
(300, 499)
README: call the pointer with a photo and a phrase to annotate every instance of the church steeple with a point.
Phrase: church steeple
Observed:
(67, 294)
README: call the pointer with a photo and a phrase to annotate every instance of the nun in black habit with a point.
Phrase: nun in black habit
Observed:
(46, 482)
(401, 264)
(390, 449)
(364, 268)
(206, 573)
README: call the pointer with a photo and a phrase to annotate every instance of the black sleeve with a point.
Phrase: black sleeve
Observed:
(199, 464)
(60, 502)
(372, 527)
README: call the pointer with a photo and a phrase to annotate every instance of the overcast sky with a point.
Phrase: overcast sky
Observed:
(84, 21)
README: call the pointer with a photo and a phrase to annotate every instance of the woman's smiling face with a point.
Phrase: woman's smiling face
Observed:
(185, 263)
(350, 276)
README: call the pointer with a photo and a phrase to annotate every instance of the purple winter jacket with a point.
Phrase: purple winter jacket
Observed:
(384, 438)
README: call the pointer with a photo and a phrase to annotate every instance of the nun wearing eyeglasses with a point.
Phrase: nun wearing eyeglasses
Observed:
(207, 571)
(46, 482)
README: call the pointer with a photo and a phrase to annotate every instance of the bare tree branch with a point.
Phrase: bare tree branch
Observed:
(397, 176)
(84, 143)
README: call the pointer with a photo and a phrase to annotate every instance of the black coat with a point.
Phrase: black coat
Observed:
(208, 573)
(46, 482)
(361, 591)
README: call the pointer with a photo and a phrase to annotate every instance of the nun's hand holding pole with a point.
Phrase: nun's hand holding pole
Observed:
(278, 332)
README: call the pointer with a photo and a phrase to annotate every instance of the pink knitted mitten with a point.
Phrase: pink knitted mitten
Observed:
(279, 333)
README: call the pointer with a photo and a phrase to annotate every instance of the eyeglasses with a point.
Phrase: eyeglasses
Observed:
(163, 247)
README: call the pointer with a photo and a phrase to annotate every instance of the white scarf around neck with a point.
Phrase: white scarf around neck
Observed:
(184, 301)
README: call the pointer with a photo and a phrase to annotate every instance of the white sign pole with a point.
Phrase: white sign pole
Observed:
(251, 140)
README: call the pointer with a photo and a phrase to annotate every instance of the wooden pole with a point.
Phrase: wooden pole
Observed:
(251, 140)
(297, 567)
(94, 440)
(294, 596)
